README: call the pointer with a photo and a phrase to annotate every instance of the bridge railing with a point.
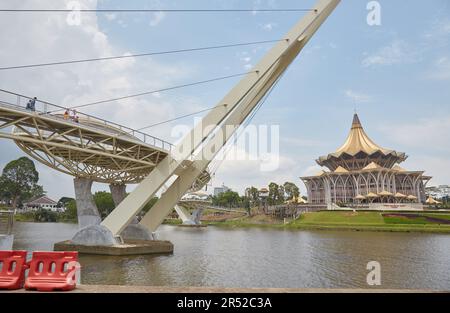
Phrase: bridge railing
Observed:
(19, 101)
(6, 222)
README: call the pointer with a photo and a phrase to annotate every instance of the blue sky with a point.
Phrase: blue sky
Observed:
(396, 75)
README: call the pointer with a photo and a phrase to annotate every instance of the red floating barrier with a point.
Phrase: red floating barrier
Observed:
(13, 266)
(50, 271)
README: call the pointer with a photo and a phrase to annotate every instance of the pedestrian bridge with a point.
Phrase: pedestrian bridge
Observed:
(198, 206)
(91, 148)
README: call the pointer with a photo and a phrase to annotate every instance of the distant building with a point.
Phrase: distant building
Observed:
(196, 196)
(361, 171)
(438, 192)
(44, 203)
(219, 190)
(263, 193)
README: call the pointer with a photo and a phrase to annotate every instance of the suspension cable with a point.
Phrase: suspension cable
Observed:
(152, 10)
(140, 54)
(180, 117)
(227, 148)
(159, 90)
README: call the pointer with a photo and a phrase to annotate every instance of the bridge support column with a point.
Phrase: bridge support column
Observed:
(6, 242)
(197, 215)
(86, 209)
(134, 231)
(91, 232)
(187, 218)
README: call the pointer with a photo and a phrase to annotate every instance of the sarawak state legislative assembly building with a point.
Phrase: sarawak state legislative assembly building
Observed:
(362, 172)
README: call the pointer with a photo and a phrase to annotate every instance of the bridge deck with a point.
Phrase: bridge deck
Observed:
(92, 147)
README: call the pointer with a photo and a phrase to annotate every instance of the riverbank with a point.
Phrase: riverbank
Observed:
(32, 218)
(353, 221)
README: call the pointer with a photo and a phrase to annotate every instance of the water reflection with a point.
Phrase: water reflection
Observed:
(264, 258)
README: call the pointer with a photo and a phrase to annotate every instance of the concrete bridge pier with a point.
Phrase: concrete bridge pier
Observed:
(134, 231)
(90, 231)
(86, 209)
(94, 238)
(6, 242)
(197, 215)
(187, 218)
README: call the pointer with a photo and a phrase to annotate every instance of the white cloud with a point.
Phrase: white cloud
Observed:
(440, 69)
(156, 18)
(358, 97)
(397, 52)
(269, 26)
(311, 170)
(39, 38)
(122, 23)
(110, 16)
(435, 166)
(439, 32)
(299, 142)
(429, 134)
(333, 45)
(245, 59)
(242, 174)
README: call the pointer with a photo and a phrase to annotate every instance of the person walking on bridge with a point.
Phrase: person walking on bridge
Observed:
(31, 105)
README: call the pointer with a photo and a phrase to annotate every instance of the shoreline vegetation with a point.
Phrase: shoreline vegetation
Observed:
(424, 222)
(343, 220)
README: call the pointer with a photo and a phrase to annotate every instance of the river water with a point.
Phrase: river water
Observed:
(219, 257)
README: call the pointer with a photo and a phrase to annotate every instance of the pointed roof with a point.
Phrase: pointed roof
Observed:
(400, 195)
(43, 200)
(431, 200)
(358, 141)
(372, 166)
(341, 170)
(320, 173)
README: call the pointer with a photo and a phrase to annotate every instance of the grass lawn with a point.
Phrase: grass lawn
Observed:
(369, 221)
(348, 220)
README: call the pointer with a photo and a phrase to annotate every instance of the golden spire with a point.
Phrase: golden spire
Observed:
(358, 141)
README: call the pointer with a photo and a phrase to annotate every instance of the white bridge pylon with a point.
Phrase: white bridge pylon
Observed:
(222, 121)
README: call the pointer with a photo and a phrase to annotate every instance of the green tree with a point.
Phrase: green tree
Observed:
(19, 181)
(71, 211)
(62, 203)
(273, 193)
(227, 199)
(280, 195)
(246, 203)
(291, 190)
(42, 215)
(104, 202)
(276, 194)
(253, 195)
